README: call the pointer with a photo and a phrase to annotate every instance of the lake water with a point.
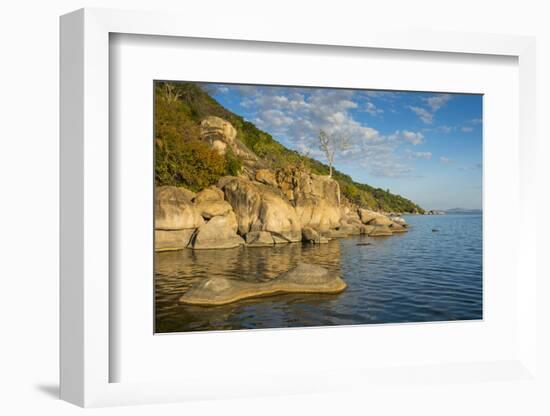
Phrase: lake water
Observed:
(418, 276)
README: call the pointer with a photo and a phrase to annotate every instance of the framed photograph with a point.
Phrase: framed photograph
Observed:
(283, 213)
(281, 226)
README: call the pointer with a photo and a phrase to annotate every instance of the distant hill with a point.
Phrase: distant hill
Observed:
(181, 158)
(462, 211)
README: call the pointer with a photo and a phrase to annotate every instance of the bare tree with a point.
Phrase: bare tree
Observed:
(169, 94)
(330, 144)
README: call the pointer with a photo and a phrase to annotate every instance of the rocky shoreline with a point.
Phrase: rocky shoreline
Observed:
(239, 212)
(260, 207)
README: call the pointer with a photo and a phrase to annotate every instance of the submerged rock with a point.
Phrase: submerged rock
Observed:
(304, 278)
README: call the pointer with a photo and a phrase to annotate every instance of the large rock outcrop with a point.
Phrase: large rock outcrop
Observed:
(267, 177)
(304, 278)
(219, 232)
(378, 230)
(379, 224)
(260, 208)
(315, 197)
(166, 240)
(210, 203)
(366, 215)
(176, 218)
(245, 199)
(222, 136)
(397, 228)
(218, 132)
(309, 235)
(259, 239)
(174, 209)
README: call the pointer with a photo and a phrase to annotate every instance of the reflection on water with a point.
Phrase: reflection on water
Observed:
(412, 277)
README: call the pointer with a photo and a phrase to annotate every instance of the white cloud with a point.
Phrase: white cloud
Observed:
(373, 110)
(274, 117)
(412, 137)
(472, 166)
(423, 155)
(445, 160)
(418, 155)
(437, 101)
(424, 114)
(295, 115)
(434, 103)
(466, 129)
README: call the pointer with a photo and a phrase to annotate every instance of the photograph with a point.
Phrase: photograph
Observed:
(280, 206)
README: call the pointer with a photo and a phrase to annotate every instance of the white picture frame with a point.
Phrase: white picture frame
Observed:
(85, 211)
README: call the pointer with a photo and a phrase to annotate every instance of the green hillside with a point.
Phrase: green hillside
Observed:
(181, 158)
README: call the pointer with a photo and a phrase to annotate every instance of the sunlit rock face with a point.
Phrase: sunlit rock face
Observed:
(266, 176)
(210, 203)
(222, 137)
(397, 228)
(309, 235)
(172, 239)
(219, 232)
(245, 199)
(262, 208)
(174, 209)
(259, 239)
(378, 230)
(218, 132)
(373, 217)
(316, 198)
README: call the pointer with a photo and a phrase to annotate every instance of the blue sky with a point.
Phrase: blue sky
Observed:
(424, 146)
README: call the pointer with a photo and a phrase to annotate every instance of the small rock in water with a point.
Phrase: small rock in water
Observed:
(435, 230)
(363, 244)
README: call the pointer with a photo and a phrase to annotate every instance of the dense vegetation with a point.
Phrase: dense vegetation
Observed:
(181, 158)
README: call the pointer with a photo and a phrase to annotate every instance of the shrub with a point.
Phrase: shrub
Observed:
(233, 165)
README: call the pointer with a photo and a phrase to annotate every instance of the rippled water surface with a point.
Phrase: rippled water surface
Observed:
(417, 276)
